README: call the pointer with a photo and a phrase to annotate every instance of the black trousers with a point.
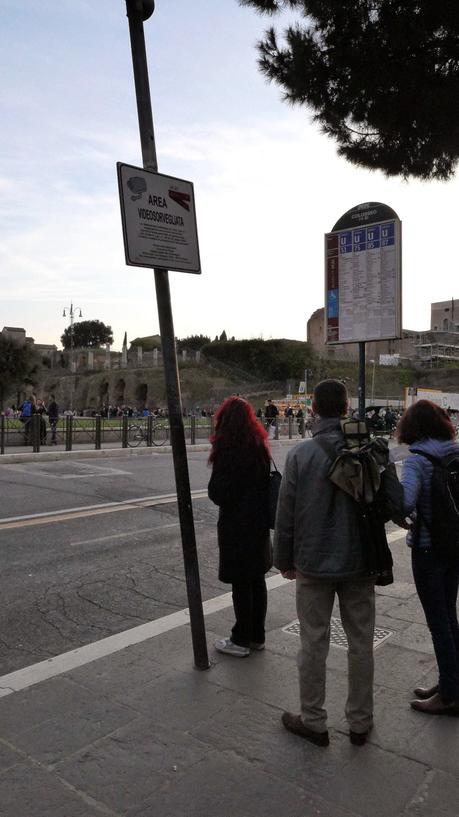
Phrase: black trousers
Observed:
(250, 601)
(437, 580)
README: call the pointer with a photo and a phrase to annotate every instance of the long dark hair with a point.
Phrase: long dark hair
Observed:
(425, 419)
(239, 436)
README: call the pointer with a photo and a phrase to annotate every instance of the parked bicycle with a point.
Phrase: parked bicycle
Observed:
(139, 434)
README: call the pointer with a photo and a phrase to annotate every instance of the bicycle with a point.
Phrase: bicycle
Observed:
(138, 434)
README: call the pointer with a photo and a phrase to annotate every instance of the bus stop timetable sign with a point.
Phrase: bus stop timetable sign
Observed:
(159, 220)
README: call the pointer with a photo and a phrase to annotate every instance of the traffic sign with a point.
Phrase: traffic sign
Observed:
(159, 220)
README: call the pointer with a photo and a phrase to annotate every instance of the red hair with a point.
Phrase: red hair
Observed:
(239, 432)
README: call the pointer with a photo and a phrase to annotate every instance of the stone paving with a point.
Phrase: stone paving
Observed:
(141, 733)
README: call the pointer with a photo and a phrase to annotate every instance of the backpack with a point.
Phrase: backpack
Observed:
(26, 410)
(444, 528)
(358, 470)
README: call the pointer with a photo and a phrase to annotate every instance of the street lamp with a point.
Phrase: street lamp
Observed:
(71, 311)
(373, 381)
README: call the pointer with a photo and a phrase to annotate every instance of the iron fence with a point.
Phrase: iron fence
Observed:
(97, 432)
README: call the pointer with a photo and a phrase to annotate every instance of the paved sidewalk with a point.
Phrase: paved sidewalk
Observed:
(140, 732)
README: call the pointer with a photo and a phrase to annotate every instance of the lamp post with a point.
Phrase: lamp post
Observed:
(70, 311)
(373, 381)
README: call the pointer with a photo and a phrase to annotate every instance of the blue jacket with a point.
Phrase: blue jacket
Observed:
(416, 480)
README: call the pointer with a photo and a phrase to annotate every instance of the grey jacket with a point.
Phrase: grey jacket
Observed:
(317, 525)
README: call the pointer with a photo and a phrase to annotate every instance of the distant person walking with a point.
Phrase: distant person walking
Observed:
(40, 409)
(429, 432)
(240, 460)
(25, 415)
(271, 415)
(53, 415)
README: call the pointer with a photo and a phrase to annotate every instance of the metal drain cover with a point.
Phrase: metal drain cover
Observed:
(337, 634)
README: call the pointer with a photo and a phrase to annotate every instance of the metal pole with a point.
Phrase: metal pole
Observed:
(98, 439)
(2, 434)
(361, 390)
(137, 12)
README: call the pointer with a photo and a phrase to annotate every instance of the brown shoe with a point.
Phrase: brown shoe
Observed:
(436, 706)
(425, 692)
(295, 724)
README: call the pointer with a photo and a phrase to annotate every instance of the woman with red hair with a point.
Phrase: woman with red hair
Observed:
(240, 460)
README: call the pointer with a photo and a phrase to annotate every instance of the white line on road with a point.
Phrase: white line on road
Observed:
(43, 671)
(141, 501)
(124, 535)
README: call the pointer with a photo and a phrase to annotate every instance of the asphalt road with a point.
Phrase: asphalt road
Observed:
(79, 568)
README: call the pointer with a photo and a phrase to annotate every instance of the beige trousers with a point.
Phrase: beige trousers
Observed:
(314, 601)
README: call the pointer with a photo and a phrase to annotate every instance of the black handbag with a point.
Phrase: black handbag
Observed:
(275, 478)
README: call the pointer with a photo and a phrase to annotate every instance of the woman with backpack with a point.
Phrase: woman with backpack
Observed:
(430, 480)
(239, 485)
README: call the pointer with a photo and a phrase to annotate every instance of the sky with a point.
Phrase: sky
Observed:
(267, 184)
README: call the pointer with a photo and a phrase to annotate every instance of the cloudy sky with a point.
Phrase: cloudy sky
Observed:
(267, 184)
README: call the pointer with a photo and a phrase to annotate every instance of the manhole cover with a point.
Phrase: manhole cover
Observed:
(337, 634)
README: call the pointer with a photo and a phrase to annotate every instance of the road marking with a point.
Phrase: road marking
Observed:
(47, 517)
(124, 535)
(67, 661)
(43, 671)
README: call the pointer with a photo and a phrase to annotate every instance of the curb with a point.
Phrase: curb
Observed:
(108, 453)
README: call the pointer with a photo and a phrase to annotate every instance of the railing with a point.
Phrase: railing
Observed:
(69, 433)
(97, 432)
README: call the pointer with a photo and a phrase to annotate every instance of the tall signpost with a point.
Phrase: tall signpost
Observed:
(159, 226)
(363, 273)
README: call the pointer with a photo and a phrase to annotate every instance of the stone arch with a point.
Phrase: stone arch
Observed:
(103, 392)
(120, 387)
(141, 394)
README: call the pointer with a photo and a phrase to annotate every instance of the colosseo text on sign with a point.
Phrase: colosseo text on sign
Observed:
(363, 283)
(159, 220)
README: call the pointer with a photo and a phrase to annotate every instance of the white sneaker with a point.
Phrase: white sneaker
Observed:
(226, 645)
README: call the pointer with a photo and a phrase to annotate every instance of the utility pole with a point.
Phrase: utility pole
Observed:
(138, 11)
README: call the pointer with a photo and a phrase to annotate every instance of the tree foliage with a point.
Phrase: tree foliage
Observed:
(87, 333)
(17, 364)
(267, 359)
(382, 77)
(193, 342)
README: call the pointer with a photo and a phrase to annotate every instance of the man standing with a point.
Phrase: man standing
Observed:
(318, 541)
(53, 415)
(271, 414)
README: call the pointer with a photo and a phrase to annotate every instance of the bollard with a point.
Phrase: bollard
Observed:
(98, 441)
(149, 431)
(124, 431)
(36, 422)
(290, 427)
(193, 430)
(276, 430)
(302, 428)
(212, 425)
(68, 432)
(2, 434)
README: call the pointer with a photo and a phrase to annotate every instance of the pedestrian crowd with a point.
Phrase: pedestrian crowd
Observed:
(337, 492)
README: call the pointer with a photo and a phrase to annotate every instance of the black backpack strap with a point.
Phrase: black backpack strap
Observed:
(275, 466)
(430, 457)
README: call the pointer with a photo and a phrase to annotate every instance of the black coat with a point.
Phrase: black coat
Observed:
(243, 524)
